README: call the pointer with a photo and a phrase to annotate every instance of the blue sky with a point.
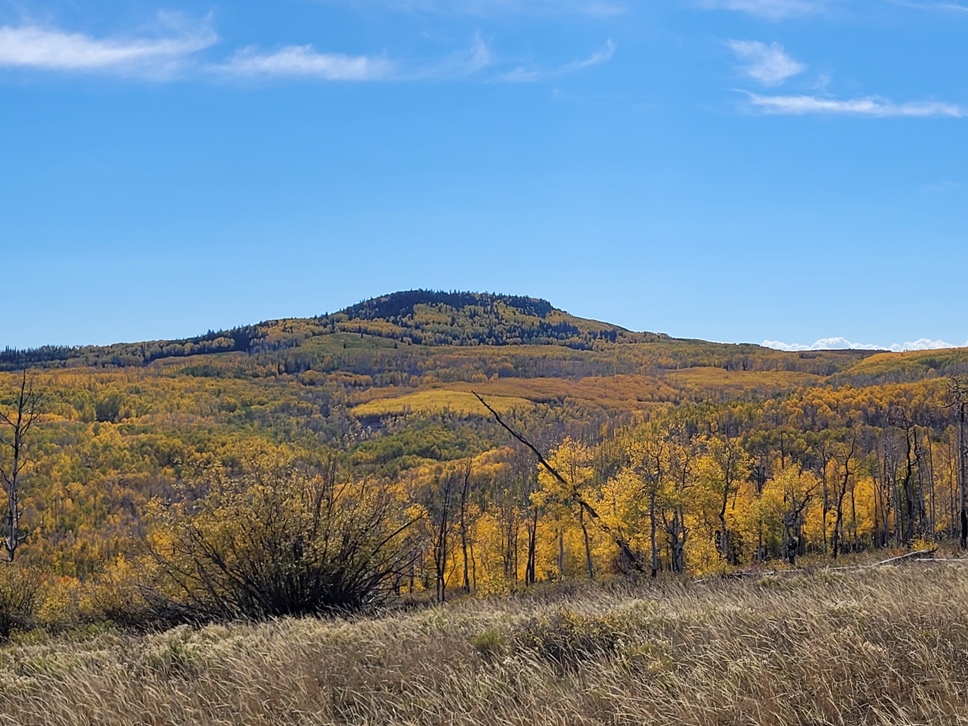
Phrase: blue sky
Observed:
(734, 170)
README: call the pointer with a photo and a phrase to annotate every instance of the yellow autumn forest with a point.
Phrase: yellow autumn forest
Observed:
(522, 513)
(674, 456)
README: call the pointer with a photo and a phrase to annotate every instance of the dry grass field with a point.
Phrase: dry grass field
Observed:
(616, 392)
(877, 646)
(437, 401)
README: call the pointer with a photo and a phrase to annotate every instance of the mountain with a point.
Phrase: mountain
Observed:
(414, 317)
(385, 353)
(463, 336)
(423, 337)
(425, 317)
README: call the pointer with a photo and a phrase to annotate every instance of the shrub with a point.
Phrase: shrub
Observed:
(297, 543)
(118, 595)
(19, 598)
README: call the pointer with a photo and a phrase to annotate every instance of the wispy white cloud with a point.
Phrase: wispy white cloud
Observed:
(304, 61)
(945, 185)
(871, 106)
(458, 65)
(589, 8)
(522, 74)
(33, 46)
(768, 64)
(769, 9)
(174, 53)
(574, 7)
(930, 5)
(844, 344)
(597, 58)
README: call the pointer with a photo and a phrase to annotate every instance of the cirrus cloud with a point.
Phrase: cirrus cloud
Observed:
(768, 9)
(870, 106)
(590, 8)
(304, 61)
(768, 64)
(526, 75)
(36, 47)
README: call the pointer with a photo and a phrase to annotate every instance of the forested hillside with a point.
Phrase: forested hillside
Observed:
(680, 456)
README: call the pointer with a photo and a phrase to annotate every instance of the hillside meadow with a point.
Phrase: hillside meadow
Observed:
(862, 646)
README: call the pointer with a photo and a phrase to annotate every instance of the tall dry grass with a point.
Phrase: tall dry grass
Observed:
(884, 646)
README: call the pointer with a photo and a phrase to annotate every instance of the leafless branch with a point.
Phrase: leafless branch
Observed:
(627, 551)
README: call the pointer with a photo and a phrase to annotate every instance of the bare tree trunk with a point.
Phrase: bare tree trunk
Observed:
(724, 548)
(473, 567)
(919, 496)
(20, 421)
(652, 541)
(530, 569)
(958, 396)
(561, 554)
(933, 498)
(853, 519)
(442, 500)
(877, 510)
(679, 541)
(908, 494)
(963, 513)
(825, 504)
(588, 547)
(837, 538)
(510, 555)
(463, 529)
(440, 559)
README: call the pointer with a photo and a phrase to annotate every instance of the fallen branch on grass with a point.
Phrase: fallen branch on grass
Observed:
(919, 557)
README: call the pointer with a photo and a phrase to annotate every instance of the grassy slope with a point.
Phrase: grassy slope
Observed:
(884, 646)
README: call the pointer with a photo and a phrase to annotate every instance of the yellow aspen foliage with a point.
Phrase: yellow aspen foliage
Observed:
(625, 508)
(783, 509)
(573, 460)
(722, 470)
(489, 555)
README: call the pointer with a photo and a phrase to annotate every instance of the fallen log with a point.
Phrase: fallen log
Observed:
(919, 556)
(916, 556)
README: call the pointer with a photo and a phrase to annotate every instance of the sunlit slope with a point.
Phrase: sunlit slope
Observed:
(621, 392)
(418, 331)
(909, 366)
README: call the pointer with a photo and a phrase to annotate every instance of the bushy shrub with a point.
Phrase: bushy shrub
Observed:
(19, 598)
(266, 545)
(120, 594)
